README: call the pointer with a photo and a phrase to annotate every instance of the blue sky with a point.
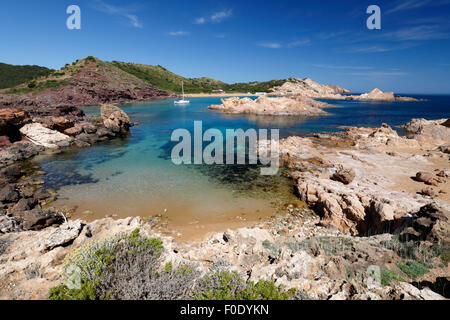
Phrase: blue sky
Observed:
(236, 41)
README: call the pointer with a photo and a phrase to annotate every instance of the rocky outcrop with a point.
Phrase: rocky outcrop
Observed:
(378, 193)
(316, 90)
(45, 137)
(319, 264)
(19, 151)
(429, 130)
(11, 120)
(298, 105)
(115, 119)
(309, 88)
(7, 224)
(344, 175)
(430, 223)
(375, 95)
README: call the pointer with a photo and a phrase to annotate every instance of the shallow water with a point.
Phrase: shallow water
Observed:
(135, 176)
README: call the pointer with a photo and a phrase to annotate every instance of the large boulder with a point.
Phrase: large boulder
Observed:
(433, 131)
(431, 223)
(11, 120)
(8, 194)
(344, 175)
(7, 224)
(115, 119)
(37, 219)
(42, 136)
(19, 151)
(61, 236)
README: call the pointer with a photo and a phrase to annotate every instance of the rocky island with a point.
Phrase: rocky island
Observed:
(299, 105)
(297, 97)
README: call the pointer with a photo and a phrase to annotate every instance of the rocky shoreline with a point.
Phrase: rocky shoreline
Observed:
(22, 197)
(376, 200)
(360, 221)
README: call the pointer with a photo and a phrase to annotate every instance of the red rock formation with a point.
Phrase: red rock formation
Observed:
(92, 83)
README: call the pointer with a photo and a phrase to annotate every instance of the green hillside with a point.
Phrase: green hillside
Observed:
(11, 75)
(164, 79)
(25, 79)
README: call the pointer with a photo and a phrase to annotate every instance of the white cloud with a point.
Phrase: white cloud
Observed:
(200, 20)
(327, 66)
(331, 35)
(402, 5)
(423, 32)
(221, 15)
(118, 11)
(408, 5)
(216, 17)
(279, 45)
(381, 47)
(134, 21)
(179, 33)
(299, 43)
(270, 45)
(379, 74)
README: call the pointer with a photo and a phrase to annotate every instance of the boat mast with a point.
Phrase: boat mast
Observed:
(182, 88)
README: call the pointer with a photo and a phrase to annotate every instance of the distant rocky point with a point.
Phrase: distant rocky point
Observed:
(313, 89)
(308, 87)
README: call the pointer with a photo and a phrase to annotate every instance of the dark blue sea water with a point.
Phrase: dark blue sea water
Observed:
(135, 176)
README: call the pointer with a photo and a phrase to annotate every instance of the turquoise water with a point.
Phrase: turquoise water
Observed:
(135, 176)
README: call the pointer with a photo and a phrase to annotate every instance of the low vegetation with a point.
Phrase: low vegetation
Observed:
(413, 269)
(229, 286)
(332, 246)
(36, 87)
(11, 75)
(387, 276)
(129, 267)
(418, 251)
(164, 79)
(22, 79)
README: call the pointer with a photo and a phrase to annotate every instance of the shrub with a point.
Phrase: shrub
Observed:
(229, 286)
(413, 269)
(62, 292)
(412, 250)
(124, 267)
(387, 276)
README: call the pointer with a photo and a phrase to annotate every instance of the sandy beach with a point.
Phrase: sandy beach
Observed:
(219, 95)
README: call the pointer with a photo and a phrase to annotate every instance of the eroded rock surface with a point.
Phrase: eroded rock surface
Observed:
(309, 258)
(115, 119)
(41, 136)
(389, 173)
(298, 105)
(310, 88)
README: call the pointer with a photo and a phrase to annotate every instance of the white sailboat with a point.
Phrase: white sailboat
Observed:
(182, 101)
